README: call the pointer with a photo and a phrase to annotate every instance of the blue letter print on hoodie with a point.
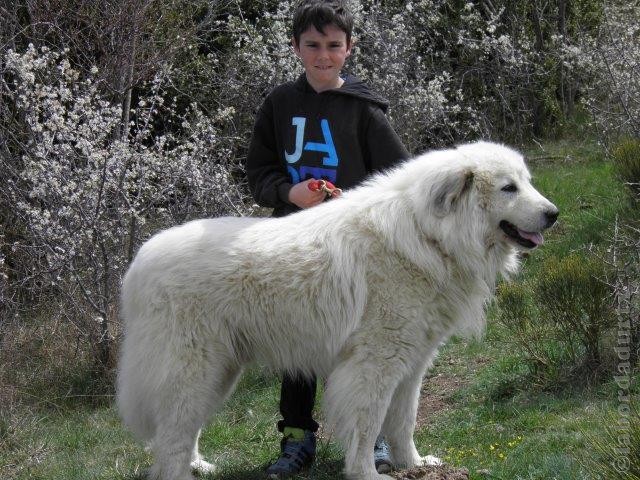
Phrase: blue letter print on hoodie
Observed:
(331, 160)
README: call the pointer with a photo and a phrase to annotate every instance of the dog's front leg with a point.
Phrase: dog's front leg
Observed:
(356, 398)
(400, 422)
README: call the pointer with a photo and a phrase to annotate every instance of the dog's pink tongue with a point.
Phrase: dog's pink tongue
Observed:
(535, 237)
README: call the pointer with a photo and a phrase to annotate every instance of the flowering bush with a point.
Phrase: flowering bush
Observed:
(82, 198)
(451, 71)
(614, 97)
(427, 107)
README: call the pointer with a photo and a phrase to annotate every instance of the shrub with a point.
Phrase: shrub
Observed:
(623, 254)
(572, 295)
(82, 198)
(623, 257)
(557, 321)
(518, 314)
(626, 158)
(614, 58)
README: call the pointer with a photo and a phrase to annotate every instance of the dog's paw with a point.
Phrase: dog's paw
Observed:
(203, 467)
(412, 460)
(430, 460)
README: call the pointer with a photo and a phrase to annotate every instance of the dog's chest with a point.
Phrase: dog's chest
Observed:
(434, 306)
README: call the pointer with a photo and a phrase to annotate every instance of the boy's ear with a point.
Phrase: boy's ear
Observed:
(294, 44)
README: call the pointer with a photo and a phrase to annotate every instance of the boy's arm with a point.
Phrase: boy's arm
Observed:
(384, 147)
(268, 178)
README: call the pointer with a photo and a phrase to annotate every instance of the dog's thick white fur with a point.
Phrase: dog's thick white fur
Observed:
(361, 290)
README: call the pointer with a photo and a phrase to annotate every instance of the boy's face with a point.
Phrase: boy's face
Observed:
(323, 56)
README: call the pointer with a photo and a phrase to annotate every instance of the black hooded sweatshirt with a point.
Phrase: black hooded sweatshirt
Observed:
(340, 135)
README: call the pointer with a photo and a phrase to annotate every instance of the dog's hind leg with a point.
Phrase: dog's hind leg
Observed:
(400, 422)
(357, 395)
(225, 387)
(188, 399)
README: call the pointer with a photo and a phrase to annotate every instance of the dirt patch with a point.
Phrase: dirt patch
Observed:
(438, 388)
(433, 473)
(434, 396)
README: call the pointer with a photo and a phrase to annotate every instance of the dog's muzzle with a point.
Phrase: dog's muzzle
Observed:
(529, 239)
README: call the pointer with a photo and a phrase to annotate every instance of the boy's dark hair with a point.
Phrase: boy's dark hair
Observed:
(321, 13)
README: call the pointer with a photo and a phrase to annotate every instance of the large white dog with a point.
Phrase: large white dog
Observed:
(361, 290)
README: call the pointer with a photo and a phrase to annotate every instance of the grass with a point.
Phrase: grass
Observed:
(489, 417)
(501, 426)
(589, 198)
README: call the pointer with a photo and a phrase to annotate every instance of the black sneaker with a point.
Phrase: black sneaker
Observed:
(295, 456)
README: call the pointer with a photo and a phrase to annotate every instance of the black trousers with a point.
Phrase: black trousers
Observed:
(297, 398)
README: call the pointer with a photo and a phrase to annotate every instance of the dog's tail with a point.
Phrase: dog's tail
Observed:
(133, 387)
(133, 402)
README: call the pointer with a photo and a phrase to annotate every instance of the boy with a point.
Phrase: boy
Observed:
(322, 126)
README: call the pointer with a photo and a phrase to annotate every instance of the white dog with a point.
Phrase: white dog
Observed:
(361, 289)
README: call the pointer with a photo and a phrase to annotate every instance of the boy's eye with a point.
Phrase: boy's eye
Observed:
(315, 45)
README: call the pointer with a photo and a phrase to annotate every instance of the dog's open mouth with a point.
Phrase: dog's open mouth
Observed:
(526, 239)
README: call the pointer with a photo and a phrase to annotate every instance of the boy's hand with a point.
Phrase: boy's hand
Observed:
(303, 197)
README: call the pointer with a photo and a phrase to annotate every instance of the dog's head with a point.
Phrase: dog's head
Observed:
(483, 190)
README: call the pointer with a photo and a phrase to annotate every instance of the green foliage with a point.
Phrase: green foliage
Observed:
(626, 158)
(616, 454)
(583, 186)
(572, 296)
(558, 320)
(517, 312)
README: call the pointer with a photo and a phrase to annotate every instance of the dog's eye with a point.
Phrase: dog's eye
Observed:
(510, 188)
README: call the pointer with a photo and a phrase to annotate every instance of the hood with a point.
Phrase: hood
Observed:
(352, 86)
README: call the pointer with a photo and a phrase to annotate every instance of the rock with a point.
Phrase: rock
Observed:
(443, 472)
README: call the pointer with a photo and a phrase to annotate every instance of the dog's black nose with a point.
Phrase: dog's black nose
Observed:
(551, 216)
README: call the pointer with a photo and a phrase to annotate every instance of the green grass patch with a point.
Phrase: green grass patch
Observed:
(589, 199)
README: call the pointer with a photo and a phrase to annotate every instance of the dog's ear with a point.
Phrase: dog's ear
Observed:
(448, 193)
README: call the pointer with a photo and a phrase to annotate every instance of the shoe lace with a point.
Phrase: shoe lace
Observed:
(294, 451)
(381, 448)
